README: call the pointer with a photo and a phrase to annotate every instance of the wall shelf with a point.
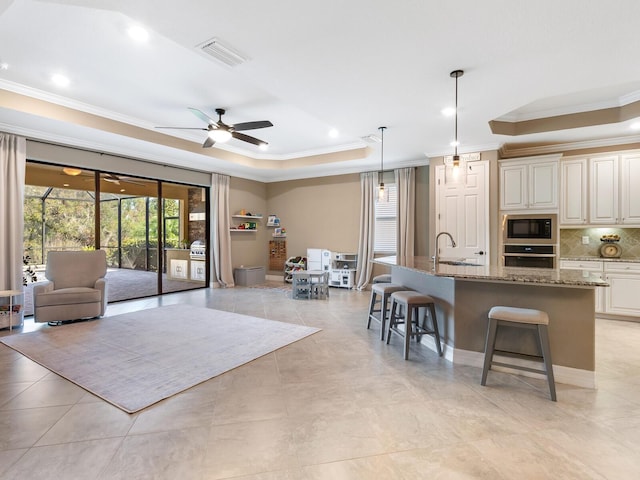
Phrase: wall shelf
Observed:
(243, 229)
(247, 216)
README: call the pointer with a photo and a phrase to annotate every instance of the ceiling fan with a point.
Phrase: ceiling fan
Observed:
(107, 177)
(218, 131)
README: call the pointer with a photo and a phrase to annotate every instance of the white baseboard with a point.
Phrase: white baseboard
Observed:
(562, 374)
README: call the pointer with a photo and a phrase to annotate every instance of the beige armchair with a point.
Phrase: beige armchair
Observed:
(76, 287)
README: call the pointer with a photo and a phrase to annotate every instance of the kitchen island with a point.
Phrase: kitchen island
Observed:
(465, 293)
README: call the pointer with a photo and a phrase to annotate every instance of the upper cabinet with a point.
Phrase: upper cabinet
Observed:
(573, 192)
(599, 190)
(530, 183)
(630, 189)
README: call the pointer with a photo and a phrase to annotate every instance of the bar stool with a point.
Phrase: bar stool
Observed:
(523, 318)
(412, 302)
(380, 293)
(384, 278)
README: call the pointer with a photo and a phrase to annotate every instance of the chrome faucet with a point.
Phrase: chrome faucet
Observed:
(435, 253)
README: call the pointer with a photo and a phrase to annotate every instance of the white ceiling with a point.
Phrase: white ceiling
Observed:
(351, 65)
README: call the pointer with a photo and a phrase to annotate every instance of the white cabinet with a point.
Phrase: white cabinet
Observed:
(603, 190)
(600, 190)
(622, 298)
(527, 184)
(630, 189)
(573, 192)
(591, 267)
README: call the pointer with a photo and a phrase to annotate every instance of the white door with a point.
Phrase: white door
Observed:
(462, 209)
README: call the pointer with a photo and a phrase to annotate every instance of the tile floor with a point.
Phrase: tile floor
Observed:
(340, 404)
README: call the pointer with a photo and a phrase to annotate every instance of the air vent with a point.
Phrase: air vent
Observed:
(371, 139)
(223, 53)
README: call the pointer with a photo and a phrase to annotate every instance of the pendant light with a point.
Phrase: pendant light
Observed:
(382, 194)
(456, 158)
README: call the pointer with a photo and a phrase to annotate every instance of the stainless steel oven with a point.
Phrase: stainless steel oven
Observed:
(530, 256)
(530, 229)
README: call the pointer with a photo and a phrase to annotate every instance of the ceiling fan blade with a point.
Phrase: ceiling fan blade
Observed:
(247, 138)
(203, 116)
(209, 142)
(252, 125)
(186, 128)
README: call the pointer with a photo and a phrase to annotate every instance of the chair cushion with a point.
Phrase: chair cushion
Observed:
(384, 278)
(76, 268)
(519, 315)
(68, 296)
(386, 288)
(410, 297)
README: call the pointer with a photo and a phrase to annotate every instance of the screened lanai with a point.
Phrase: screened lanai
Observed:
(131, 218)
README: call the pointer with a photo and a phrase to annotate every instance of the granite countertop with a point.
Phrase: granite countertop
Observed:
(493, 273)
(602, 259)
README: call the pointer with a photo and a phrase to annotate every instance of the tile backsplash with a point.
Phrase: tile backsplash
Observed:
(571, 241)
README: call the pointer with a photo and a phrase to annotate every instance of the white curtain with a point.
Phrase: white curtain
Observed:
(220, 236)
(405, 214)
(364, 268)
(13, 158)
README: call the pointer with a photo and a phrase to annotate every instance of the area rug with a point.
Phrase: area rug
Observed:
(136, 359)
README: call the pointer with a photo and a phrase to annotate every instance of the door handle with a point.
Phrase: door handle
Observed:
(479, 253)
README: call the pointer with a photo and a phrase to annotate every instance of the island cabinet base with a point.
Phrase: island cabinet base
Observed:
(463, 305)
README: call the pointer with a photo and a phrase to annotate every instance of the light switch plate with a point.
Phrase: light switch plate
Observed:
(585, 240)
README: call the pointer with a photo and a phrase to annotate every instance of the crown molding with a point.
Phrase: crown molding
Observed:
(507, 151)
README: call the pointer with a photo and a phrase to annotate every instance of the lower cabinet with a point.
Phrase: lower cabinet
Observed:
(621, 297)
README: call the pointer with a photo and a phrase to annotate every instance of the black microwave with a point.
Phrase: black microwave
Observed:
(535, 228)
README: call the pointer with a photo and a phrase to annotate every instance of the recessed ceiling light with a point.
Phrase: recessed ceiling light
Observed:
(448, 112)
(138, 33)
(60, 80)
(4, 66)
(635, 126)
(454, 143)
(65, 184)
(333, 133)
(264, 147)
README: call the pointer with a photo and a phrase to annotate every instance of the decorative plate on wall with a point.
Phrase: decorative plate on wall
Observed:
(610, 250)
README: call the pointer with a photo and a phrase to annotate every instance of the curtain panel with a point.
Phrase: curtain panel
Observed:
(220, 235)
(13, 159)
(406, 211)
(364, 268)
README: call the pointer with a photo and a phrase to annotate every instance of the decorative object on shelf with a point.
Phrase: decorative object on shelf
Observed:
(383, 194)
(273, 221)
(279, 232)
(610, 247)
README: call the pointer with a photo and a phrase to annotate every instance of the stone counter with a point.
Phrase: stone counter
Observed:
(465, 294)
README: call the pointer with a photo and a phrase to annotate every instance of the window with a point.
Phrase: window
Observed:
(386, 222)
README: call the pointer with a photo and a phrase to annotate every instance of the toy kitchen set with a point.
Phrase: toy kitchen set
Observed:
(341, 266)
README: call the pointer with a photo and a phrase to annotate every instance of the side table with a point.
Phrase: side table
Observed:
(10, 294)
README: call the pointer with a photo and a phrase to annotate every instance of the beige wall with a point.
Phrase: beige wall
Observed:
(249, 248)
(316, 213)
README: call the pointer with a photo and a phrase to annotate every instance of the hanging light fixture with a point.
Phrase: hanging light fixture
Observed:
(382, 196)
(456, 158)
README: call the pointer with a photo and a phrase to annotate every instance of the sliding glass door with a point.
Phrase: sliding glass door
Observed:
(147, 227)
